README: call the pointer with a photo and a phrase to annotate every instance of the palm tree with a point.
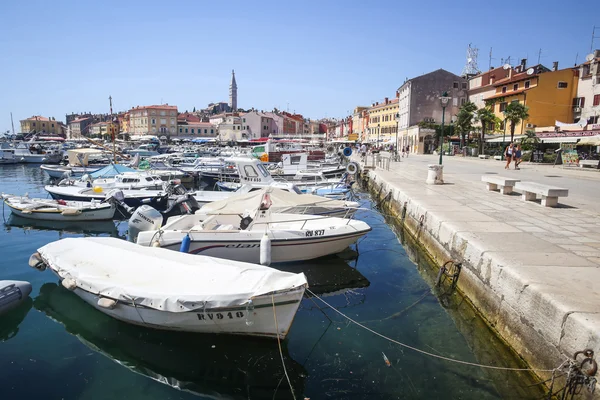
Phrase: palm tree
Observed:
(486, 116)
(530, 141)
(464, 120)
(515, 112)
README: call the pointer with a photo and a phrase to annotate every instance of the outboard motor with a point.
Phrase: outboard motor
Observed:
(180, 202)
(118, 198)
(145, 218)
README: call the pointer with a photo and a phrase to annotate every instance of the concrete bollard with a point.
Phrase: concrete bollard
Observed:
(435, 174)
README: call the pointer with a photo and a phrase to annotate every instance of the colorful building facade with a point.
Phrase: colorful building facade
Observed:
(548, 94)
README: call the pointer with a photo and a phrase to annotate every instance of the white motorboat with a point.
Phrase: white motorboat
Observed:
(59, 210)
(7, 154)
(228, 234)
(133, 198)
(37, 153)
(174, 291)
(284, 201)
(81, 161)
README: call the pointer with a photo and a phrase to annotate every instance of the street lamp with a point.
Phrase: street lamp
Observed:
(377, 136)
(397, 129)
(444, 100)
(503, 136)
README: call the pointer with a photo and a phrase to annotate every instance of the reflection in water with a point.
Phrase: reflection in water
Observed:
(206, 364)
(72, 227)
(9, 323)
(328, 275)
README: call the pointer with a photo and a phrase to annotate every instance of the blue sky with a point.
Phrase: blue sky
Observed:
(321, 57)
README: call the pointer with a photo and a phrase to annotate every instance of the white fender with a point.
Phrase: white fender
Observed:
(265, 250)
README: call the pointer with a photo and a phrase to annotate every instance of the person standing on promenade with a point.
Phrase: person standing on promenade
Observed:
(508, 154)
(363, 152)
(517, 154)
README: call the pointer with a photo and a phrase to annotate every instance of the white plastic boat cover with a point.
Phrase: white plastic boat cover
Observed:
(282, 201)
(162, 279)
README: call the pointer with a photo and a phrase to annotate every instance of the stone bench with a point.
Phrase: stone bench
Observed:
(493, 181)
(588, 163)
(484, 156)
(550, 194)
(499, 158)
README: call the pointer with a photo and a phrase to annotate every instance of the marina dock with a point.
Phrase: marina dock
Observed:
(531, 271)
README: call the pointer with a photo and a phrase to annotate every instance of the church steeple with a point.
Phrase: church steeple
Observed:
(233, 92)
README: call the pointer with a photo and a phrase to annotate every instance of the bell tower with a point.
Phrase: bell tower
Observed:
(233, 92)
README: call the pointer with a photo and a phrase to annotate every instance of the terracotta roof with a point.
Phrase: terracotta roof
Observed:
(37, 118)
(507, 94)
(390, 102)
(161, 106)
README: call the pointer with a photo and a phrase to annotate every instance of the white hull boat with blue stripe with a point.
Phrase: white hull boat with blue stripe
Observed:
(174, 291)
(226, 233)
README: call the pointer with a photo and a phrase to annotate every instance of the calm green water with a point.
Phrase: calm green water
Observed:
(57, 347)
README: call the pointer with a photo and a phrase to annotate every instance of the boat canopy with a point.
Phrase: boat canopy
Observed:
(111, 170)
(159, 279)
(80, 156)
(283, 200)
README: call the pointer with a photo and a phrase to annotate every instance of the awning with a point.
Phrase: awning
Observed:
(503, 139)
(589, 141)
(572, 139)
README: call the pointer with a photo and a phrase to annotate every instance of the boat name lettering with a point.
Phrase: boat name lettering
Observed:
(316, 232)
(213, 316)
(243, 245)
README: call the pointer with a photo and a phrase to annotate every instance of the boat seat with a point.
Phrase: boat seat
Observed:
(226, 227)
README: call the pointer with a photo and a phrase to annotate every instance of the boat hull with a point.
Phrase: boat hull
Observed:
(258, 321)
(88, 214)
(248, 249)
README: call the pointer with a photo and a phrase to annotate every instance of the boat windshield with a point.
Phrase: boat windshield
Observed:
(262, 170)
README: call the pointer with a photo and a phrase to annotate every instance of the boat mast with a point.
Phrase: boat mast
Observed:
(112, 130)
(12, 124)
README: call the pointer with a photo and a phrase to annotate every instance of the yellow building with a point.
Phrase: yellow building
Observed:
(39, 124)
(382, 122)
(104, 128)
(153, 120)
(548, 95)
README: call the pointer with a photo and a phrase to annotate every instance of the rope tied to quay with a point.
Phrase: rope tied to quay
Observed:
(428, 353)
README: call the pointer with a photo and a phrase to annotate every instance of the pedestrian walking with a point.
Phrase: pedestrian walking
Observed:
(517, 153)
(508, 154)
(363, 152)
(407, 150)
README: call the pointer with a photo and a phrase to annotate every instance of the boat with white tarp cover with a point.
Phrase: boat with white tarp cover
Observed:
(174, 291)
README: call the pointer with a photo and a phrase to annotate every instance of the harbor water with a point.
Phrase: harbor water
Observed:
(57, 347)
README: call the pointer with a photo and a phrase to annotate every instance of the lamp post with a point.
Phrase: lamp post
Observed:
(378, 138)
(503, 136)
(444, 100)
(397, 129)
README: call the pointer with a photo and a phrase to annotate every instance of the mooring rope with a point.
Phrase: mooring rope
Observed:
(426, 352)
(279, 344)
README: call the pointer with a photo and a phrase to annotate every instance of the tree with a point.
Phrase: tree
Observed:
(464, 121)
(530, 141)
(487, 117)
(515, 112)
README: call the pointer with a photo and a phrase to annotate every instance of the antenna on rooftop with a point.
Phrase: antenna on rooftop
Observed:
(490, 62)
(471, 67)
(539, 56)
(594, 37)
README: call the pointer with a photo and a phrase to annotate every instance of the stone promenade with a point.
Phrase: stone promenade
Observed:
(532, 271)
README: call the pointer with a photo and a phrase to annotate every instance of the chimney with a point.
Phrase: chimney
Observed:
(492, 79)
(555, 66)
(596, 53)
(523, 64)
(386, 100)
(397, 93)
